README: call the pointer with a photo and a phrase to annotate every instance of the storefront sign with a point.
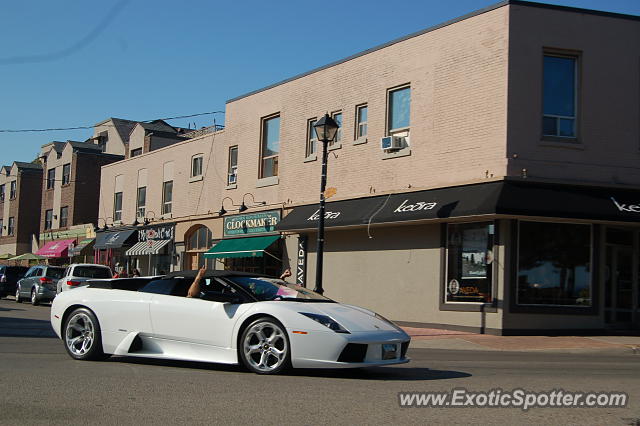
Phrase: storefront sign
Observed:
(634, 208)
(254, 223)
(420, 205)
(327, 215)
(301, 264)
(159, 232)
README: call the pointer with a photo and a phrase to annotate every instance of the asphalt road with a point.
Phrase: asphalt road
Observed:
(41, 384)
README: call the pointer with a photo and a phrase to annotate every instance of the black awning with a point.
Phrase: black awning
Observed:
(514, 198)
(337, 213)
(113, 239)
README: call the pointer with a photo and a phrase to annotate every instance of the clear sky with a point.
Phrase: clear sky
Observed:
(69, 63)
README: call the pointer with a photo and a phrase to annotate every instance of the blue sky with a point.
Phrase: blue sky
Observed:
(71, 63)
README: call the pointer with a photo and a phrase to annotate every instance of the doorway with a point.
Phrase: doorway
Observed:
(622, 296)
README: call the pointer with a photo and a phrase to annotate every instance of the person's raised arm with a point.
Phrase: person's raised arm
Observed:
(194, 289)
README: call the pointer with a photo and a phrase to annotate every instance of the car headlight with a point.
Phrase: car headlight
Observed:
(381, 318)
(326, 321)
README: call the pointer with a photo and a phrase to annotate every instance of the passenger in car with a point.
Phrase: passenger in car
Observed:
(194, 289)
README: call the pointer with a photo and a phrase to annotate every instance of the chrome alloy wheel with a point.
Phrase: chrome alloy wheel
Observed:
(18, 294)
(79, 335)
(265, 346)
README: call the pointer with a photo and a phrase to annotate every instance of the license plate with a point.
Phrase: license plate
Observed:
(389, 351)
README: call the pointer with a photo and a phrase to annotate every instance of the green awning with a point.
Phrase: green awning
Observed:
(241, 247)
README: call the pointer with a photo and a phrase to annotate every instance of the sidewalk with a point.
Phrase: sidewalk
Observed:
(430, 338)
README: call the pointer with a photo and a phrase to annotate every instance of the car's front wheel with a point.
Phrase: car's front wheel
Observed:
(264, 347)
(18, 299)
(82, 337)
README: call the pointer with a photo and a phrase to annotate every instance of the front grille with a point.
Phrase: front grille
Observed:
(353, 352)
(403, 349)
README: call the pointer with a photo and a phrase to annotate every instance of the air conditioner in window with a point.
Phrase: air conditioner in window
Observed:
(233, 177)
(392, 143)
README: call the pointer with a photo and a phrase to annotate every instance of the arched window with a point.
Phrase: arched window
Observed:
(200, 239)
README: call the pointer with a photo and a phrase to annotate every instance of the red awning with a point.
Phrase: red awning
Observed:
(55, 248)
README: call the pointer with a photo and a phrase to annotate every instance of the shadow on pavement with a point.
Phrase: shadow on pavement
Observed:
(24, 327)
(10, 309)
(371, 373)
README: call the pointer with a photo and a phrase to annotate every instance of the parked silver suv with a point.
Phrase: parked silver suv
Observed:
(77, 273)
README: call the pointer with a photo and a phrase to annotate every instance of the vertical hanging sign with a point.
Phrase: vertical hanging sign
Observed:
(301, 264)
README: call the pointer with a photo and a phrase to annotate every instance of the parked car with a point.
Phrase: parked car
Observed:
(263, 323)
(39, 284)
(77, 273)
(9, 276)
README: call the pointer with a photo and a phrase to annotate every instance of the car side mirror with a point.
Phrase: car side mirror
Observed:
(216, 296)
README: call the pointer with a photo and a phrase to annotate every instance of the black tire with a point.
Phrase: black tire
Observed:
(81, 336)
(18, 298)
(34, 297)
(277, 350)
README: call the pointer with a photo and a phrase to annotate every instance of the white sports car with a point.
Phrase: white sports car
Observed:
(264, 323)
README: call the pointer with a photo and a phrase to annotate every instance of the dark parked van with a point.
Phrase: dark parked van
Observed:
(9, 276)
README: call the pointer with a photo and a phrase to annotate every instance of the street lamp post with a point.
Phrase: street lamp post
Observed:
(326, 129)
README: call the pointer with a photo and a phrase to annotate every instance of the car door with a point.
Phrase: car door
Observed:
(24, 284)
(193, 320)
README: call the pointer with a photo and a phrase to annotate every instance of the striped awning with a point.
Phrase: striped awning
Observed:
(147, 247)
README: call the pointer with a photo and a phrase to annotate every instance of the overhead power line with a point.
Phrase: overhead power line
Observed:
(53, 129)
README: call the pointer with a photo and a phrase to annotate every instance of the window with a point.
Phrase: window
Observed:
(337, 116)
(1, 226)
(196, 165)
(361, 121)
(270, 147)
(554, 264)
(136, 152)
(200, 239)
(66, 174)
(167, 196)
(560, 96)
(48, 219)
(312, 138)
(232, 171)
(117, 206)
(11, 228)
(51, 178)
(13, 190)
(470, 262)
(1, 192)
(64, 215)
(399, 110)
(141, 201)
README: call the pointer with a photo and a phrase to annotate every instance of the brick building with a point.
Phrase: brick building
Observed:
(19, 207)
(70, 196)
(506, 202)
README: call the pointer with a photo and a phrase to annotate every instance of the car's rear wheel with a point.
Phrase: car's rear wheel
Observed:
(81, 335)
(264, 347)
(34, 297)
(18, 299)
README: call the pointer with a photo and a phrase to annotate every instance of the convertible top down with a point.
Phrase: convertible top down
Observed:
(263, 323)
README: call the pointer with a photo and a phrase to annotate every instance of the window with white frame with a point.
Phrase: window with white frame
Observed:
(117, 207)
(141, 201)
(66, 174)
(270, 146)
(48, 219)
(13, 189)
(362, 112)
(232, 170)
(560, 97)
(337, 117)
(196, 165)
(312, 138)
(11, 228)
(167, 196)
(64, 216)
(399, 111)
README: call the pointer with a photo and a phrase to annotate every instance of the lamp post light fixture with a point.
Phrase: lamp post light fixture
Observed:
(326, 129)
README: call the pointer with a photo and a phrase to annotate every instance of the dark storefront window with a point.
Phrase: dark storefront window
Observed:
(554, 264)
(470, 262)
